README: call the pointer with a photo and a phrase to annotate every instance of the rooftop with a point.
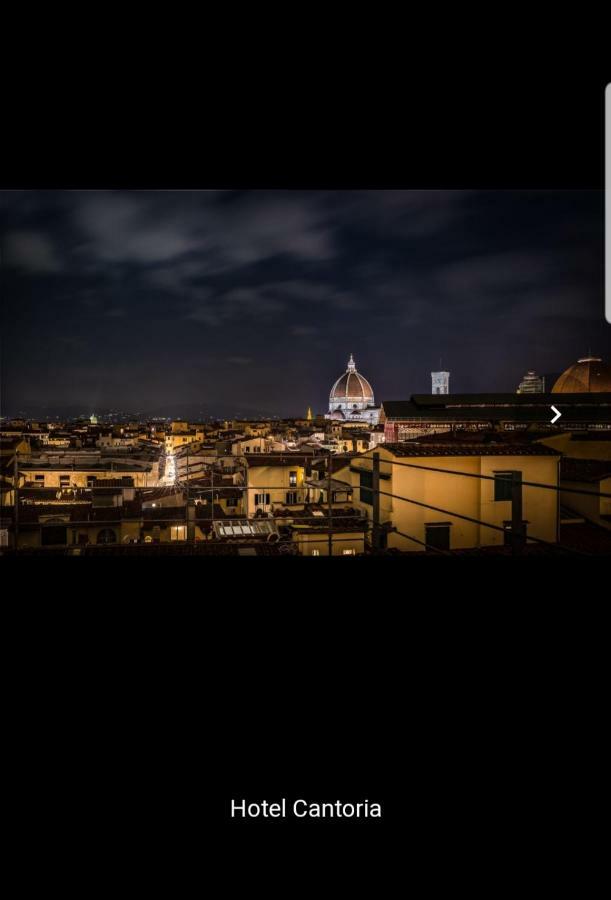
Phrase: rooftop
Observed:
(417, 448)
(99, 466)
(277, 459)
(346, 519)
(591, 470)
(498, 407)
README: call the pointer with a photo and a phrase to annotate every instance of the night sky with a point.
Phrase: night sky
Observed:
(236, 302)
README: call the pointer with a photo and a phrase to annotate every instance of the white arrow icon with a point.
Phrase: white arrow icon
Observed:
(557, 416)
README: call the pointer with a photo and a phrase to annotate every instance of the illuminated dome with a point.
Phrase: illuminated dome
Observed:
(350, 391)
(587, 376)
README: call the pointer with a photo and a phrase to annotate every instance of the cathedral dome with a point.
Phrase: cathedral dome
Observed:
(587, 375)
(351, 389)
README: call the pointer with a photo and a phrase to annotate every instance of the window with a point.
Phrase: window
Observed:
(91, 480)
(502, 485)
(292, 479)
(39, 478)
(53, 534)
(232, 501)
(366, 482)
(107, 536)
(349, 552)
(178, 533)
(341, 496)
(261, 499)
(315, 552)
(437, 534)
(291, 498)
(64, 480)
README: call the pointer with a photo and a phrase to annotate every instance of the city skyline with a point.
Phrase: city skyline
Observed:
(251, 301)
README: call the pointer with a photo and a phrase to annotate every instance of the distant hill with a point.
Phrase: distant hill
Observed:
(194, 411)
(186, 411)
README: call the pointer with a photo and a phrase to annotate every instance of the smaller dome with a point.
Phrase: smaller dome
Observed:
(587, 376)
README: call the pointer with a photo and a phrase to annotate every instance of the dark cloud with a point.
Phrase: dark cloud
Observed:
(304, 330)
(139, 298)
(119, 228)
(32, 252)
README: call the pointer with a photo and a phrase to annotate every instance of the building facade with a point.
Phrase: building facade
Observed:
(451, 511)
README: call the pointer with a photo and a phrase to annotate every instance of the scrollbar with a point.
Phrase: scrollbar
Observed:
(608, 203)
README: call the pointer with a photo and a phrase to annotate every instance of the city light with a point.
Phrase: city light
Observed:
(170, 469)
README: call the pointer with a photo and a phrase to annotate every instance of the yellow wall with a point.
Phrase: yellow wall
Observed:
(539, 506)
(320, 542)
(251, 445)
(471, 497)
(174, 441)
(273, 480)
(237, 510)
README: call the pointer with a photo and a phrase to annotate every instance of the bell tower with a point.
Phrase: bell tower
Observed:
(440, 382)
